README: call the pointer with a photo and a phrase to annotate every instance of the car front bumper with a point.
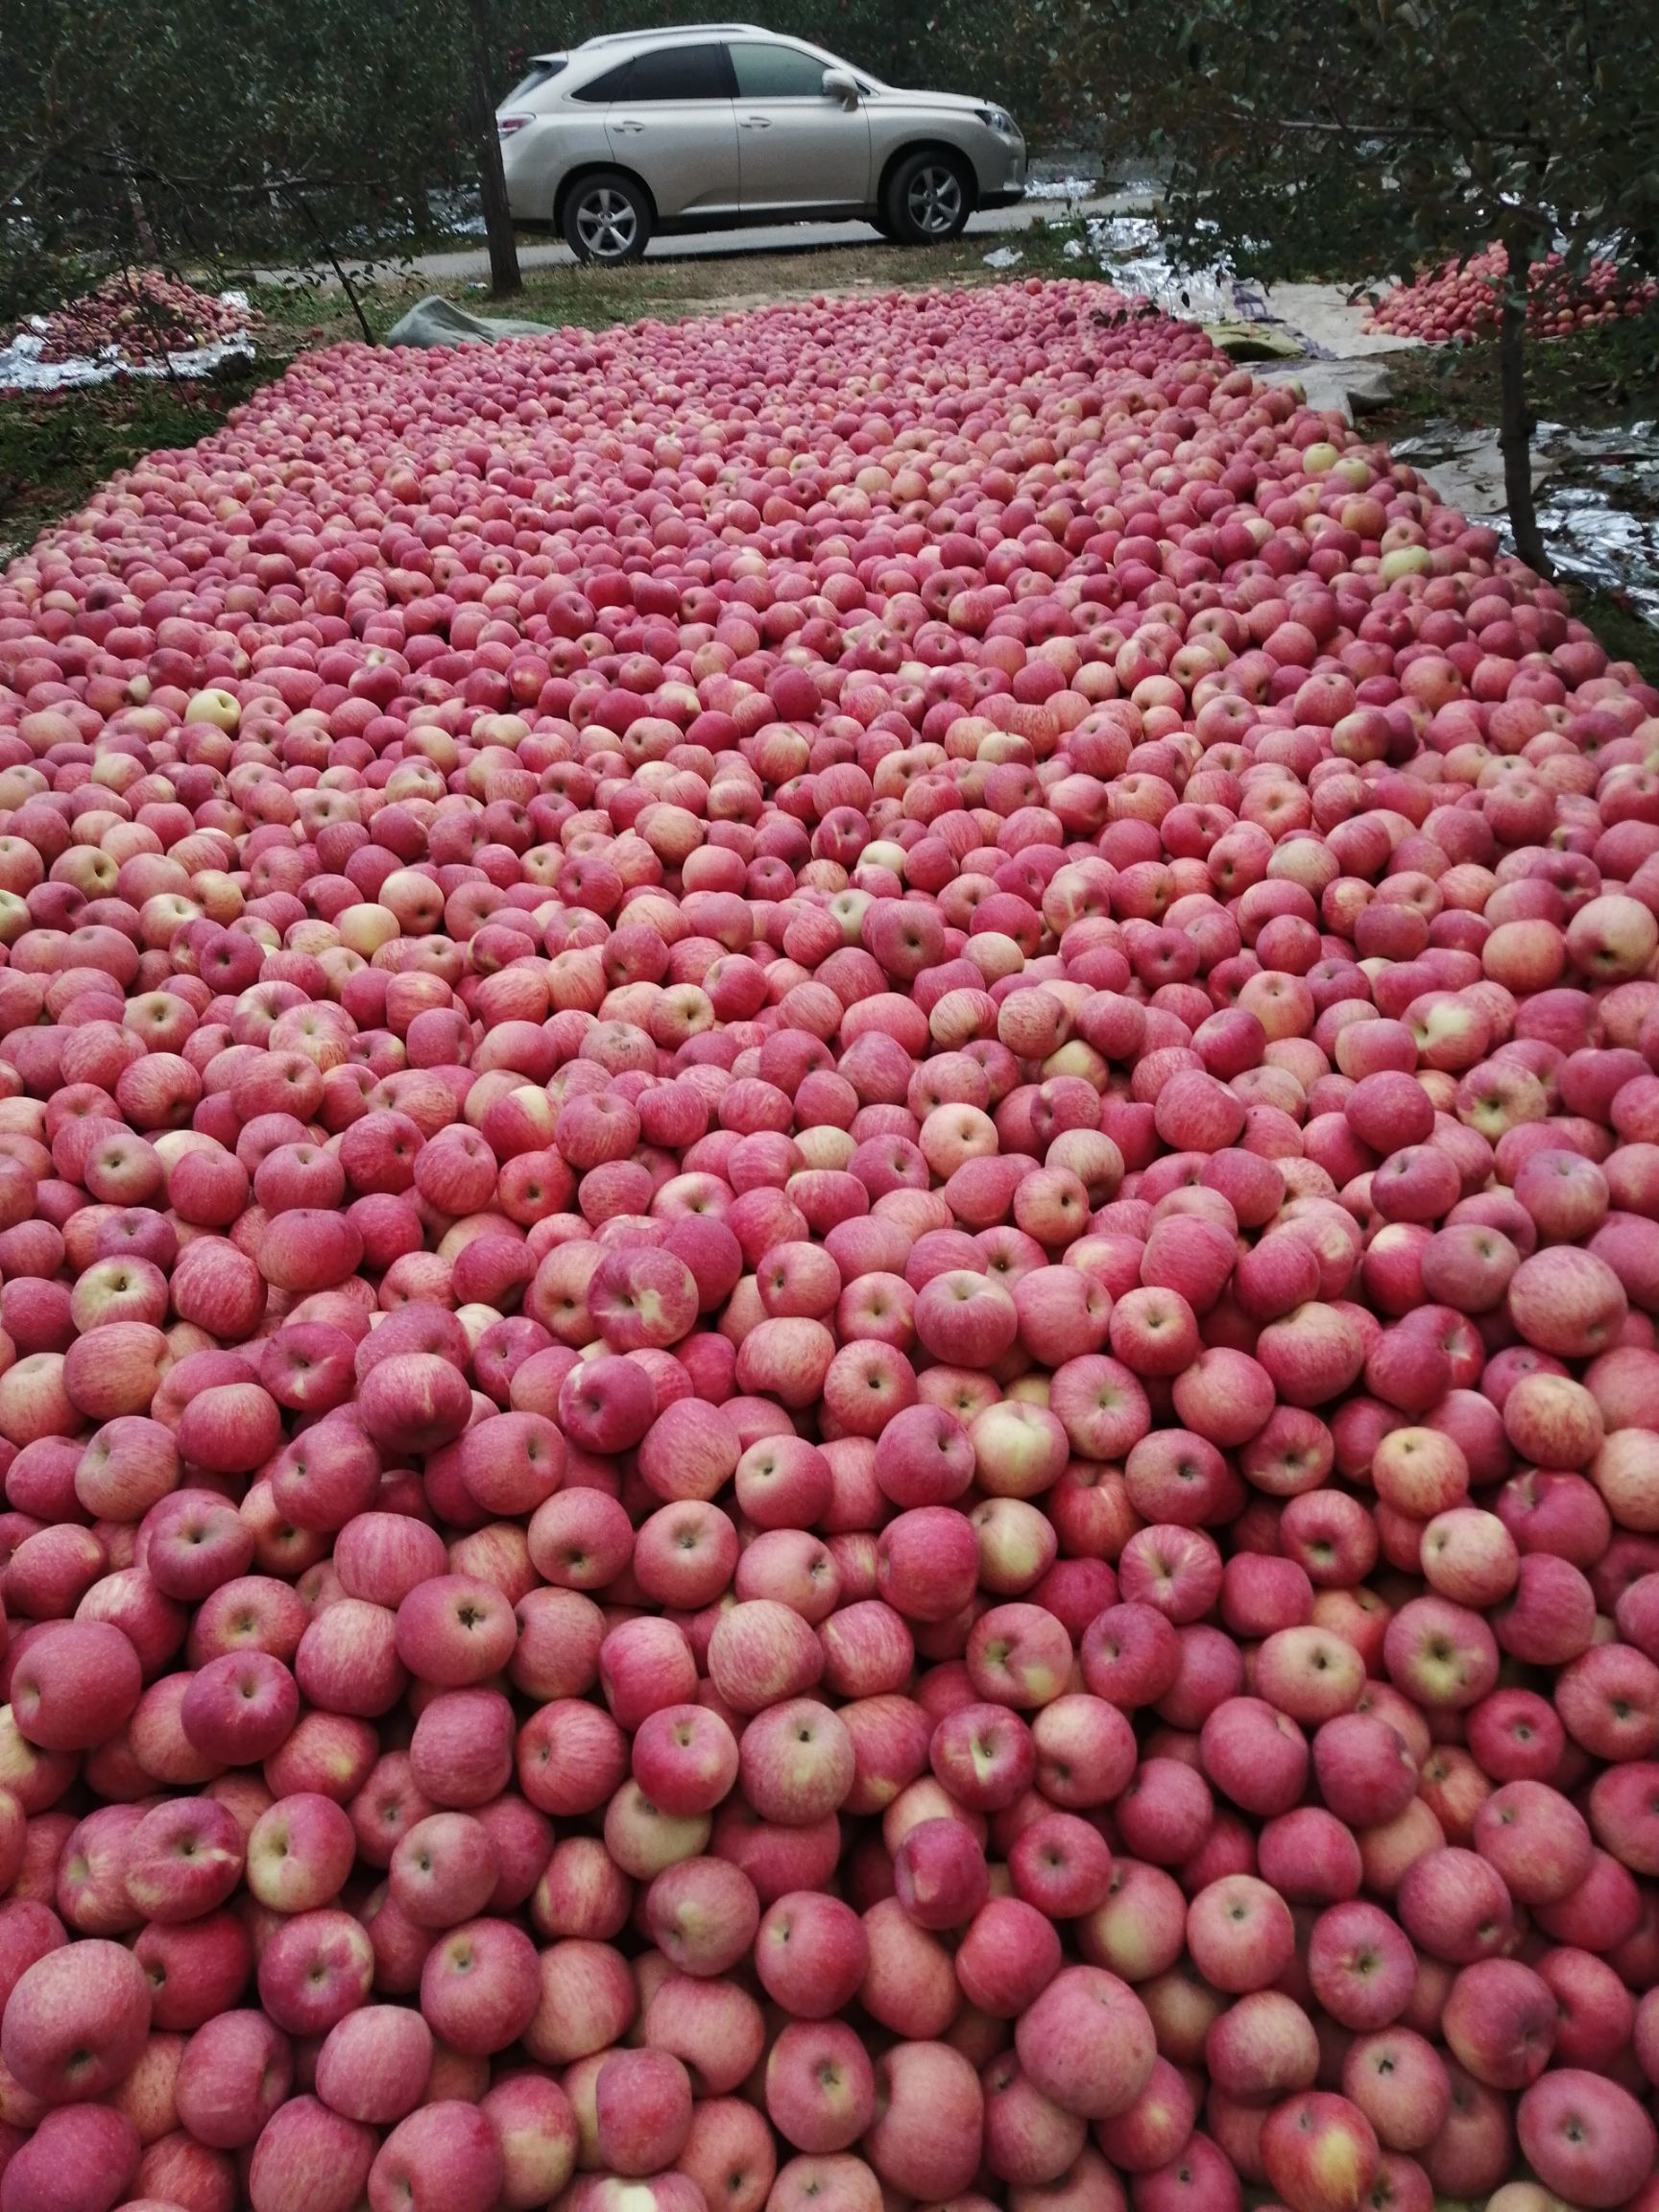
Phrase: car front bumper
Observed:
(1003, 196)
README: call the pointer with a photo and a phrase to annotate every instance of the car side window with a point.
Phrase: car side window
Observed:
(767, 72)
(612, 86)
(681, 73)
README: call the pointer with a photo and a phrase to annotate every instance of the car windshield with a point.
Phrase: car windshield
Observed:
(867, 80)
(541, 71)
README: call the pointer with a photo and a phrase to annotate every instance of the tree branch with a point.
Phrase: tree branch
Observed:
(15, 186)
(369, 337)
(1345, 128)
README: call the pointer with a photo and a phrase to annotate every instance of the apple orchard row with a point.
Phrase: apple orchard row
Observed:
(829, 1241)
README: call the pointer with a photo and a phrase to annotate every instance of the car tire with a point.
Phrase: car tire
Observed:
(606, 219)
(928, 199)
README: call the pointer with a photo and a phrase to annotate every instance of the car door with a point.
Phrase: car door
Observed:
(796, 146)
(670, 121)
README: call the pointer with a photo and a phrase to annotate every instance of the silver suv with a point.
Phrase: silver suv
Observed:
(715, 126)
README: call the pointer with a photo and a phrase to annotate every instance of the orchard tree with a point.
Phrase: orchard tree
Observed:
(1375, 135)
(196, 131)
(199, 130)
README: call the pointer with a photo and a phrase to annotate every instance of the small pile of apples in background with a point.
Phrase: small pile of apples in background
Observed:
(1462, 300)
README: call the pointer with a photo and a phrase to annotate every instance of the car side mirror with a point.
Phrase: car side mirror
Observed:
(840, 85)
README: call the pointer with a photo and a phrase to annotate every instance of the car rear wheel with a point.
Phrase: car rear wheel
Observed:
(928, 200)
(607, 219)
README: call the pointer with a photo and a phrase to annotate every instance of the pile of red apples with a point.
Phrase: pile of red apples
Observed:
(141, 314)
(829, 1241)
(1462, 300)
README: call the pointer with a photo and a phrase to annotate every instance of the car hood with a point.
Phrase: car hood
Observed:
(948, 103)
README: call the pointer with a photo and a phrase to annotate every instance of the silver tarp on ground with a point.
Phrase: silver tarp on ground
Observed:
(437, 321)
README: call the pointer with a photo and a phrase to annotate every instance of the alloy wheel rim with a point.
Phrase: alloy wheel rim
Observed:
(607, 225)
(934, 201)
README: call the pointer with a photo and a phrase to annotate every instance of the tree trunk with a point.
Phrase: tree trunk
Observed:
(504, 274)
(1515, 415)
(143, 236)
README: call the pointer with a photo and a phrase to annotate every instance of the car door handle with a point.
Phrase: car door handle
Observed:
(628, 124)
(757, 122)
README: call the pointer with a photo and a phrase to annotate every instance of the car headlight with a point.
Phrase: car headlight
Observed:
(1000, 120)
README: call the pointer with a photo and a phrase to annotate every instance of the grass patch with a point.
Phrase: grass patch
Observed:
(1596, 378)
(712, 283)
(57, 447)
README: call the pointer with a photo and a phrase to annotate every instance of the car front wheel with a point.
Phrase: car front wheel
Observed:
(928, 200)
(607, 219)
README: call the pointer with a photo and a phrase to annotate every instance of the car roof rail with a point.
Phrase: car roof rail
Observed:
(675, 31)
